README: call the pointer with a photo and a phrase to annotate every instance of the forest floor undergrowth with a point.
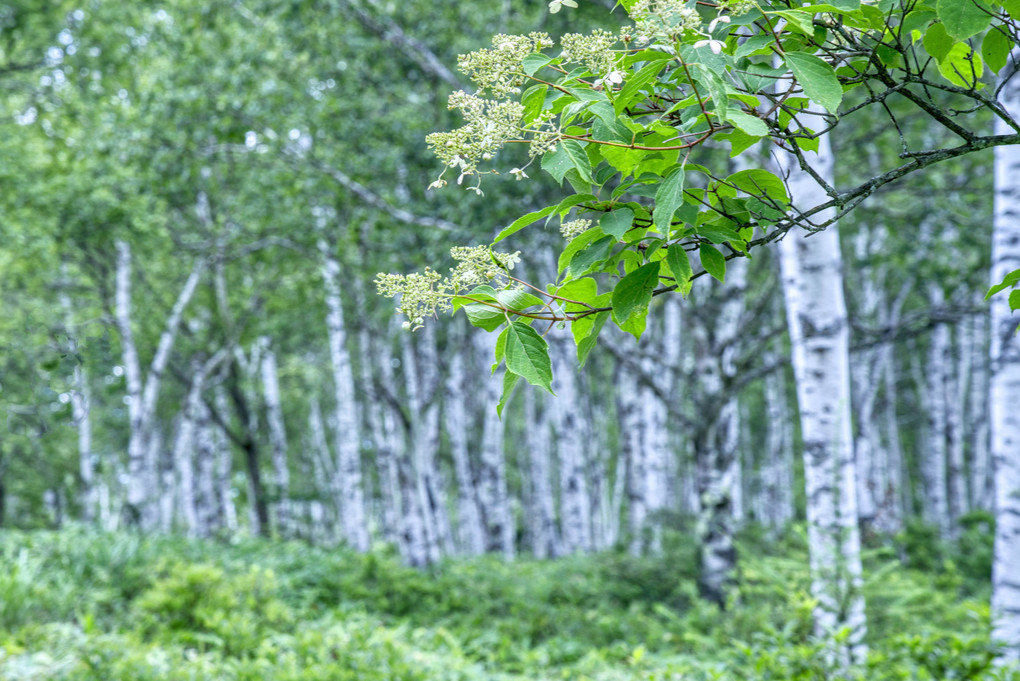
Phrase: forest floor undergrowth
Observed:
(110, 607)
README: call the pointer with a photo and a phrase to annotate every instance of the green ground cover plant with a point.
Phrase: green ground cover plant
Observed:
(79, 605)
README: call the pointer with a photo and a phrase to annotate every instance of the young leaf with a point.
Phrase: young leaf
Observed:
(995, 49)
(963, 18)
(937, 42)
(746, 123)
(527, 354)
(680, 267)
(1009, 281)
(583, 261)
(618, 222)
(668, 198)
(569, 154)
(523, 221)
(634, 292)
(713, 261)
(533, 62)
(509, 383)
(817, 78)
(633, 84)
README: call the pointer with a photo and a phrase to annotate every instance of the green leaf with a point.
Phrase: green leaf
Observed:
(586, 334)
(1014, 300)
(937, 42)
(995, 49)
(1009, 281)
(569, 154)
(668, 197)
(716, 89)
(533, 100)
(758, 182)
(527, 354)
(633, 84)
(533, 62)
(962, 66)
(713, 261)
(799, 21)
(680, 267)
(523, 221)
(963, 18)
(484, 316)
(510, 380)
(817, 78)
(1012, 7)
(583, 260)
(751, 125)
(634, 292)
(618, 222)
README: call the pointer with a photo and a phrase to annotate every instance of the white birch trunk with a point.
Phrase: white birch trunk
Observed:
(656, 445)
(816, 311)
(277, 439)
(934, 398)
(143, 393)
(716, 464)
(470, 534)
(1005, 384)
(422, 379)
(81, 415)
(633, 452)
(347, 433)
(388, 435)
(545, 540)
(893, 492)
(493, 495)
(776, 498)
(224, 466)
(573, 432)
(981, 487)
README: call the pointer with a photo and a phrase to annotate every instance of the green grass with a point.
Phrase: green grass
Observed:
(78, 605)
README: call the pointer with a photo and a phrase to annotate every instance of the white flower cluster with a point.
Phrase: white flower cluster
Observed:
(571, 229)
(663, 19)
(595, 51)
(737, 7)
(490, 123)
(428, 293)
(498, 70)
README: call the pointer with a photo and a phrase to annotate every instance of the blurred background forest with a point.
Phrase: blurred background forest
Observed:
(195, 200)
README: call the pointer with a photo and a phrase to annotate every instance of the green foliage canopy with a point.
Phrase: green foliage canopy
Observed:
(630, 122)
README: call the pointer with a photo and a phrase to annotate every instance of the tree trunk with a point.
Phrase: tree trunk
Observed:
(348, 440)
(277, 440)
(1005, 383)
(545, 540)
(470, 534)
(493, 494)
(143, 393)
(572, 434)
(715, 332)
(817, 318)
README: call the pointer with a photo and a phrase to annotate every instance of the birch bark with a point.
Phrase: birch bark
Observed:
(493, 495)
(81, 415)
(277, 438)
(544, 532)
(816, 313)
(348, 439)
(470, 534)
(1005, 382)
(142, 392)
(572, 432)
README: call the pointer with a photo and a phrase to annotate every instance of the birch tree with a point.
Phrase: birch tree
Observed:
(143, 391)
(1005, 377)
(812, 280)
